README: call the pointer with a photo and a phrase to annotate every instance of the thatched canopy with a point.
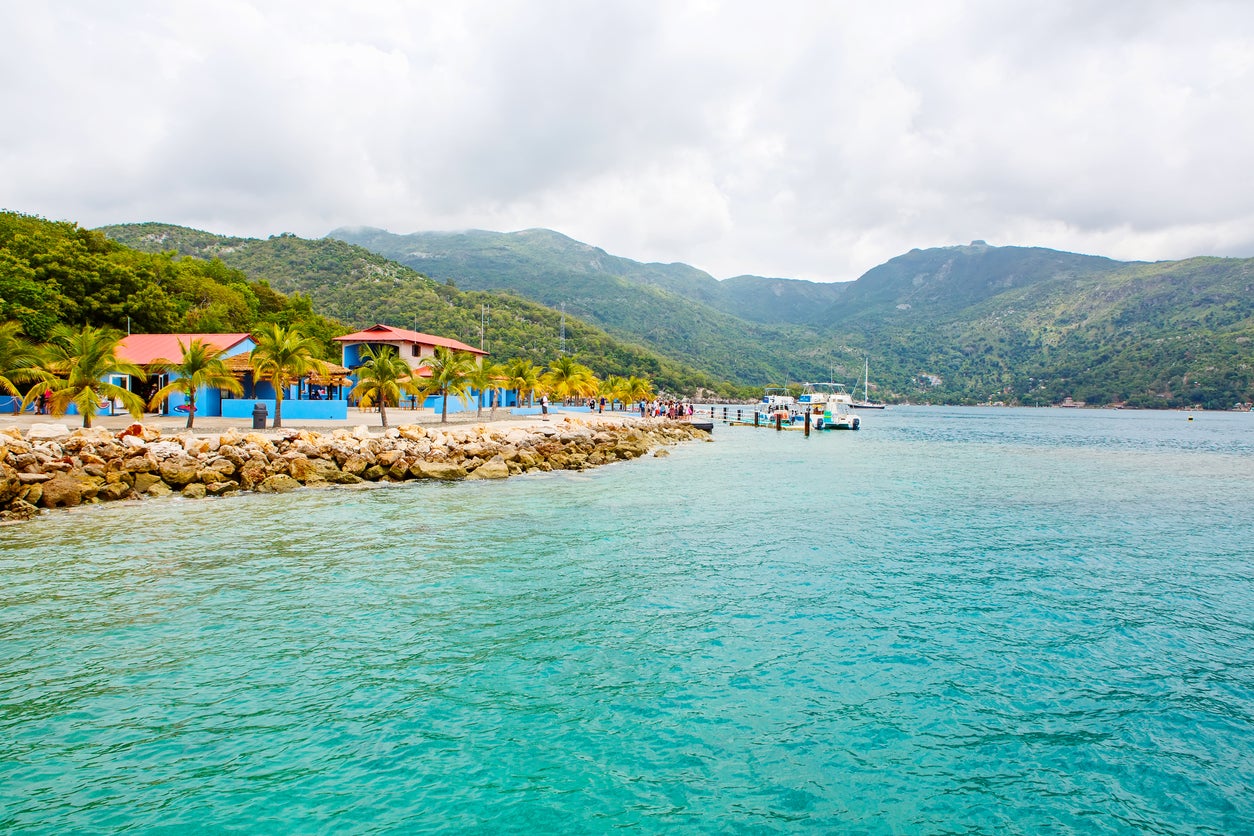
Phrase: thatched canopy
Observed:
(336, 375)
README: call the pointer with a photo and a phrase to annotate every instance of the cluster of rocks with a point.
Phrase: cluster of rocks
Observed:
(52, 467)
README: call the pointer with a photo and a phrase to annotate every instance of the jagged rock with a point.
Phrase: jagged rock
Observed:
(494, 468)
(64, 491)
(114, 491)
(39, 432)
(220, 488)
(339, 477)
(252, 473)
(195, 490)
(661, 453)
(373, 473)
(18, 511)
(145, 463)
(179, 472)
(278, 483)
(221, 465)
(446, 471)
(159, 489)
(144, 481)
(356, 464)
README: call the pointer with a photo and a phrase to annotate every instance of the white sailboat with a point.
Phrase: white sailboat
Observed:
(865, 403)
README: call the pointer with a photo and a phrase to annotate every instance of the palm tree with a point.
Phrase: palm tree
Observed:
(381, 376)
(568, 379)
(202, 366)
(614, 388)
(281, 356)
(76, 364)
(639, 388)
(522, 376)
(450, 375)
(486, 376)
(19, 362)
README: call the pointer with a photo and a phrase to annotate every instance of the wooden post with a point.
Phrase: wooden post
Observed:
(755, 417)
(779, 421)
(807, 423)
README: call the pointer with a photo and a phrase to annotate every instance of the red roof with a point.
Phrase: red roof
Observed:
(142, 349)
(386, 333)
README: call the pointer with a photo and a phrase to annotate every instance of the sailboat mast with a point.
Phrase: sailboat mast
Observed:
(866, 380)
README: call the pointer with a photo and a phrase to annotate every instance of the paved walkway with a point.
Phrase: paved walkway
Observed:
(171, 424)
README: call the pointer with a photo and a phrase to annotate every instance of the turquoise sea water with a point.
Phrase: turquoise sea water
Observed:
(954, 621)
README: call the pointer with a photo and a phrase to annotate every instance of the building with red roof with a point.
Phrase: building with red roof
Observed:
(411, 346)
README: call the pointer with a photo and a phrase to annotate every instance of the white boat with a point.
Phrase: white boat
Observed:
(865, 403)
(830, 406)
(776, 403)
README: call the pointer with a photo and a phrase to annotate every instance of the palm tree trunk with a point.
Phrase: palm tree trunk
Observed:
(443, 406)
(191, 410)
(383, 410)
(278, 407)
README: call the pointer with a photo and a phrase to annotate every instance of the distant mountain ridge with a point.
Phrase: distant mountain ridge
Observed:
(970, 323)
(962, 324)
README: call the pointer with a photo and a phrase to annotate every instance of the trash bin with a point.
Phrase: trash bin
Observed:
(259, 416)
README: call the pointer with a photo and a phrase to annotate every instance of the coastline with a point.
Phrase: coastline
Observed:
(45, 464)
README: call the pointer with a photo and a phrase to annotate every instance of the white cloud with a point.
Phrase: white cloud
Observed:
(814, 141)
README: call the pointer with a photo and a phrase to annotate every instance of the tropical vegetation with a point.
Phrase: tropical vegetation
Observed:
(381, 378)
(19, 361)
(78, 364)
(450, 373)
(283, 355)
(201, 365)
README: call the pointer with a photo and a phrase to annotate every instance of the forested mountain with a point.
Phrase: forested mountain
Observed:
(361, 288)
(965, 324)
(54, 272)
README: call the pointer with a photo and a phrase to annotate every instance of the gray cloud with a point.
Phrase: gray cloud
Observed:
(814, 143)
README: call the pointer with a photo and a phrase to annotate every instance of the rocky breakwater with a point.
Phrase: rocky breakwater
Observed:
(53, 467)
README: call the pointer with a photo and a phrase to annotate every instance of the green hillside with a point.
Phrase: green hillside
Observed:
(966, 324)
(361, 288)
(667, 307)
(58, 272)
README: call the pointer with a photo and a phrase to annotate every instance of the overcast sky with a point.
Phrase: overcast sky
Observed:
(810, 140)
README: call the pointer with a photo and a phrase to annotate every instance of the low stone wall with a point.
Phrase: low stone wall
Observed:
(51, 467)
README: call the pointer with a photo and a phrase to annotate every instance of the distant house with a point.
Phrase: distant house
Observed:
(312, 397)
(412, 347)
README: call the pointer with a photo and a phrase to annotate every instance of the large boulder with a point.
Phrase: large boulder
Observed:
(180, 471)
(446, 471)
(65, 490)
(44, 432)
(494, 468)
(278, 483)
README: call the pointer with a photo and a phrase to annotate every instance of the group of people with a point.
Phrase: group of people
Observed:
(666, 409)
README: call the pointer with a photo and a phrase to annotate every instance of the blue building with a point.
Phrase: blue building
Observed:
(413, 347)
(316, 397)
